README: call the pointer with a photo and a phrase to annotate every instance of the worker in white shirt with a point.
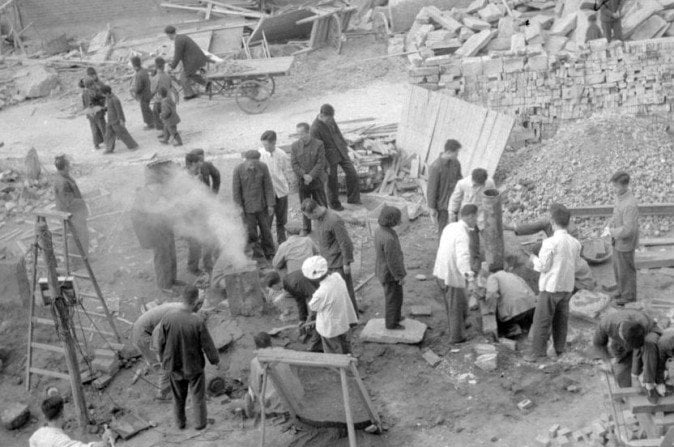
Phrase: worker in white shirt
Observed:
(469, 190)
(278, 163)
(331, 302)
(557, 263)
(454, 271)
(52, 434)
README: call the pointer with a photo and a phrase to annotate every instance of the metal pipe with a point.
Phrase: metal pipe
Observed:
(492, 234)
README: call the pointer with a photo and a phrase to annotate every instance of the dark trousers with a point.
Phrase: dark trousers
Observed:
(393, 301)
(170, 131)
(114, 131)
(281, 216)
(313, 190)
(156, 112)
(523, 320)
(551, 315)
(261, 244)
(197, 251)
(197, 386)
(97, 124)
(336, 345)
(443, 219)
(186, 80)
(165, 264)
(625, 275)
(348, 279)
(79, 221)
(146, 111)
(352, 183)
(645, 359)
(456, 306)
(613, 29)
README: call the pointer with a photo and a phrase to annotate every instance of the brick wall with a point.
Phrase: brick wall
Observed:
(543, 89)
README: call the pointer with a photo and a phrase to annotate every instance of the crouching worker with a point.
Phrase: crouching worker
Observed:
(627, 341)
(666, 352)
(331, 302)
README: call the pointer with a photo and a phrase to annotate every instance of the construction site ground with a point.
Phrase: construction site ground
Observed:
(454, 403)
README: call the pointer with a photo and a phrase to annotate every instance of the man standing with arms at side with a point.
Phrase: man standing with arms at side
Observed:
(325, 129)
(611, 23)
(69, 200)
(624, 231)
(181, 340)
(253, 191)
(307, 156)
(278, 163)
(557, 263)
(334, 242)
(116, 127)
(187, 51)
(142, 91)
(443, 175)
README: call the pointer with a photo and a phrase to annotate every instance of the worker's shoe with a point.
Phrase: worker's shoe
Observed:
(661, 389)
(148, 127)
(396, 327)
(652, 396)
(187, 98)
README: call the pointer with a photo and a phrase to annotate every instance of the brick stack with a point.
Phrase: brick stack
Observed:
(538, 88)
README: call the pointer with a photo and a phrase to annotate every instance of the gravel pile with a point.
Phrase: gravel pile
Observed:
(575, 166)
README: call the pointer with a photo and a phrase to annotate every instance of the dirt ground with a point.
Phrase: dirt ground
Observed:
(454, 403)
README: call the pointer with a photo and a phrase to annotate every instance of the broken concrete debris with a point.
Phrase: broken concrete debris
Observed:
(36, 81)
(15, 415)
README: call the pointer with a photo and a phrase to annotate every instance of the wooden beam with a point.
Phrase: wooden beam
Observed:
(660, 209)
(46, 372)
(304, 358)
(53, 214)
(640, 404)
(6, 4)
(347, 408)
(656, 241)
(654, 259)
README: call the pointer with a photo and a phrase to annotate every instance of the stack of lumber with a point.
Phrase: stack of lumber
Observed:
(212, 8)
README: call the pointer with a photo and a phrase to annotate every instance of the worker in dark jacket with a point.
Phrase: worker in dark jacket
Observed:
(182, 340)
(201, 246)
(254, 193)
(443, 175)
(390, 265)
(187, 51)
(609, 11)
(325, 129)
(152, 225)
(334, 242)
(170, 119)
(142, 91)
(593, 32)
(158, 80)
(116, 127)
(307, 157)
(210, 175)
(69, 200)
(627, 340)
(93, 102)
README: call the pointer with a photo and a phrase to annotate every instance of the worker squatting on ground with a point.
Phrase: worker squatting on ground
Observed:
(52, 434)
(253, 192)
(444, 174)
(624, 232)
(278, 163)
(454, 271)
(325, 129)
(187, 51)
(69, 199)
(291, 254)
(334, 242)
(666, 354)
(141, 90)
(182, 340)
(116, 126)
(557, 263)
(334, 313)
(141, 337)
(627, 341)
(307, 157)
(390, 265)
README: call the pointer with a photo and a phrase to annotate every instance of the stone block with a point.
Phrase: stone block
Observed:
(476, 6)
(635, 16)
(375, 331)
(472, 66)
(564, 25)
(487, 362)
(534, 49)
(476, 24)
(513, 64)
(506, 27)
(552, 431)
(543, 441)
(654, 26)
(431, 357)
(543, 20)
(668, 15)
(532, 33)
(102, 381)
(14, 285)
(492, 67)
(484, 348)
(106, 365)
(538, 63)
(525, 404)
(36, 81)
(475, 43)
(598, 429)
(615, 76)
(424, 309)
(518, 43)
(490, 13)
(598, 44)
(555, 44)
(498, 44)
(508, 343)
(105, 354)
(15, 415)
(578, 436)
(424, 71)
(465, 33)
(415, 59)
(564, 432)
(596, 78)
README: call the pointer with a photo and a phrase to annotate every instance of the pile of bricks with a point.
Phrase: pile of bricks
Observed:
(542, 88)
(596, 433)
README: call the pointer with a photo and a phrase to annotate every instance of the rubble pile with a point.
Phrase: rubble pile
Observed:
(19, 197)
(574, 168)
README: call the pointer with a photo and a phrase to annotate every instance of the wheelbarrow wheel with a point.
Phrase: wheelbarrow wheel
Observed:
(253, 96)
(269, 82)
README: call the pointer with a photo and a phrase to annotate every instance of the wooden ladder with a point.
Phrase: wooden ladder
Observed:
(65, 226)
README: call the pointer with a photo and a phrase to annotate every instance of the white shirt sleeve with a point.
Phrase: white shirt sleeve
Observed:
(543, 262)
(463, 255)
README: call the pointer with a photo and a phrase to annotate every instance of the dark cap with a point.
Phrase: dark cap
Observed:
(621, 177)
(251, 155)
(170, 29)
(198, 151)
(328, 110)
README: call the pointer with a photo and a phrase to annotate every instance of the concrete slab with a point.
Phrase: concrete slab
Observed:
(376, 332)
(15, 415)
(564, 25)
(654, 26)
(476, 24)
(490, 13)
(475, 43)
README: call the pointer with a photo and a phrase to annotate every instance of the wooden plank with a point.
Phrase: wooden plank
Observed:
(654, 259)
(619, 393)
(46, 372)
(48, 322)
(292, 405)
(347, 408)
(6, 4)
(46, 347)
(656, 241)
(325, 14)
(374, 417)
(53, 214)
(659, 209)
(281, 27)
(274, 66)
(640, 404)
(304, 358)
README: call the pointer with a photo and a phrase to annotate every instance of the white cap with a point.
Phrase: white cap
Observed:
(315, 267)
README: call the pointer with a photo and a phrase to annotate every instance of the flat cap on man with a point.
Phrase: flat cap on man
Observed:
(251, 155)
